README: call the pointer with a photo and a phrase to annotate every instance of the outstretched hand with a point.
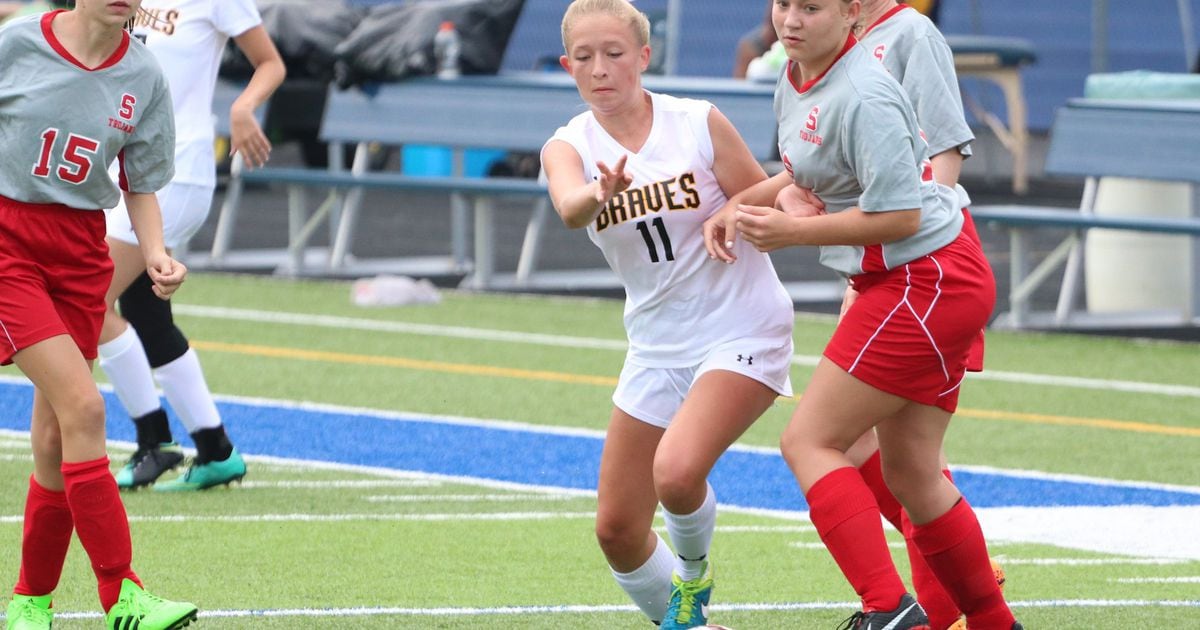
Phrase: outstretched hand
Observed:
(612, 181)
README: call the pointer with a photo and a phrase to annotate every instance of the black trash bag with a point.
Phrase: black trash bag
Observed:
(306, 32)
(393, 42)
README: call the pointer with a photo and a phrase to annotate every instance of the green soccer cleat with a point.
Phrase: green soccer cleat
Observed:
(204, 476)
(688, 607)
(29, 612)
(136, 608)
(148, 464)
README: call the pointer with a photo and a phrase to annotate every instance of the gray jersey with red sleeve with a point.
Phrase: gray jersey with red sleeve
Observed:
(851, 136)
(917, 55)
(62, 124)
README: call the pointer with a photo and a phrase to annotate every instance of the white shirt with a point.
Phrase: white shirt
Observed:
(679, 303)
(187, 37)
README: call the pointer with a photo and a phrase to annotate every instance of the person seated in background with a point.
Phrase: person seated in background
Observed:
(754, 44)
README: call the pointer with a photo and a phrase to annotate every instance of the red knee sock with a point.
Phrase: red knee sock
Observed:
(872, 474)
(953, 546)
(847, 518)
(45, 541)
(939, 607)
(933, 598)
(102, 525)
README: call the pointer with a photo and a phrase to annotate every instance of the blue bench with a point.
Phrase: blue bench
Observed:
(1151, 140)
(999, 60)
(516, 111)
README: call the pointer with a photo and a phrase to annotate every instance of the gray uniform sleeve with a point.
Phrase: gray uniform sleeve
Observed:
(931, 83)
(882, 152)
(148, 159)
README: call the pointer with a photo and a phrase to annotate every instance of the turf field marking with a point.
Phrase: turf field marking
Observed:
(469, 369)
(463, 332)
(472, 369)
(466, 498)
(16, 457)
(1089, 562)
(338, 485)
(1193, 579)
(344, 518)
(622, 608)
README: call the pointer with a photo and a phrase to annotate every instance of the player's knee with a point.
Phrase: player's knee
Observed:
(678, 481)
(151, 317)
(618, 537)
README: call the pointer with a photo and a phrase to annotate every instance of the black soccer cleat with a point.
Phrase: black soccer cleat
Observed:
(907, 616)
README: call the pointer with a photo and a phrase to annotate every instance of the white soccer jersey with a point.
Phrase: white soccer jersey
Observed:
(187, 37)
(913, 49)
(62, 124)
(852, 137)
(679, 303)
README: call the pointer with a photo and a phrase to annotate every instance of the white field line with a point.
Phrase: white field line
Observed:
(465, 498)
(14, 457)
(1193, 579)
(1088, 562)
(1134, 530)
(346, 518)
(343, 484)
(624, 608)
(484, 334)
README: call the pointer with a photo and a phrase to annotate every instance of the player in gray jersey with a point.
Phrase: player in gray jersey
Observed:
(916, 54)
(848, 132)
(709, 345)
(76, 93)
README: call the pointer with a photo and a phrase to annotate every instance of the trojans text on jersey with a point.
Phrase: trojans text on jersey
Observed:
(677, 193)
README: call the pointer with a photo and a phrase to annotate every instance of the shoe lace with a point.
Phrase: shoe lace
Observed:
(683, 601)
(139, 603)
(30, 611)
(853, 621)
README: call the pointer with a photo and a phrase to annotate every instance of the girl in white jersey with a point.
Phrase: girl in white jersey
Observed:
(75, 94)
(142, 344)
(848, 132)
(709, 344)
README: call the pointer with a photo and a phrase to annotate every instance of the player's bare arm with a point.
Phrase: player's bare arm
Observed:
(146, 217)
(768, 229)
(734, 165)
(720, 230)
(578, 201)
(246, 136)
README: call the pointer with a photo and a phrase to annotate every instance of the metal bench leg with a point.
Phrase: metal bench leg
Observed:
(228, 213)
(531, 247)
(459, 214)
(485, 237)
(348, 221)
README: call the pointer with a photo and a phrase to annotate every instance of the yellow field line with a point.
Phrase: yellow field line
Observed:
(608, 381)
(411, 364)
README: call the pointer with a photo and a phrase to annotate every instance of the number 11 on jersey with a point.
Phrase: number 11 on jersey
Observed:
(662, 236)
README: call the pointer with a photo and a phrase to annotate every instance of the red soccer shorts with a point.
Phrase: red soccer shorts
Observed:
(911, 328)
(54, 272)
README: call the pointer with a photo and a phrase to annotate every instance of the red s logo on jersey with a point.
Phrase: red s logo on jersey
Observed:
(879, 51)
(811, 124)
(127, 103)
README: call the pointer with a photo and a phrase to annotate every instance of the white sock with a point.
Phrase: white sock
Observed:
(184, 386)
(691, 535)
(649, 586)
(124, 363)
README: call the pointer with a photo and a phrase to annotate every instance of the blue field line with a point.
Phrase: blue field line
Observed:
(744, 478)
